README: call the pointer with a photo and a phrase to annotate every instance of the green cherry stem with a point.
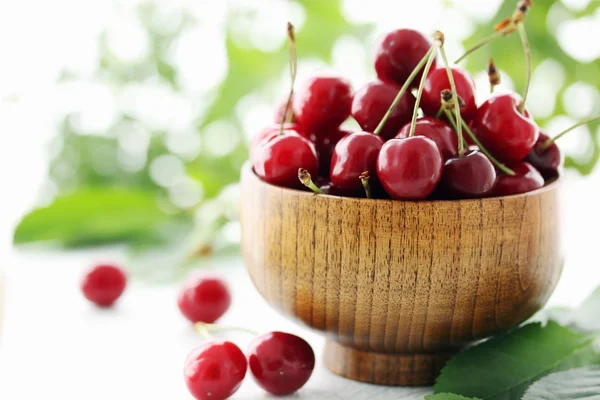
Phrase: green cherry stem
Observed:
(306, 180)
(550, 141)
(456, 99)
(293, 68)
(494, 161)
(437, 43)
(498, 34)
(364, 178)
(205, 329)
(529, 62)
(403, 90)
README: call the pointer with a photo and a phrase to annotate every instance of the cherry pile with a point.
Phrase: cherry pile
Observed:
(424, 135)
(281, 363)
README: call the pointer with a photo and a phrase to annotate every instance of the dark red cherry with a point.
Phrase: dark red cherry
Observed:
(546, 160)
(398, 53)
(281, 363)
(215, 370)
(267, 131)
(325, 143)
(204, 298)
(329, 188)
(104, 284)
(503, 130)
(373, 100)
(279, 111)
(440, 132)
(470, 176)
(323, 103)
(437, 81)
(278, 157)
(411, 168)
(527, 178)
(353, 155)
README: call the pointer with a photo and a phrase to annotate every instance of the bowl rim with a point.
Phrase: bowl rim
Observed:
(553, 185)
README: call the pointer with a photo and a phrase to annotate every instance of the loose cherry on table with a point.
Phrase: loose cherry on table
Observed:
(277, 159)
(411, 168)
(204, 299)
(353, 155)
(437, 81)
(468, 176)
(398, 53)
(506, 132)
(372, 101)
(281, 363)
(323, 103)
(526, 179)
(104, 284)
(215, 370)
(547, 160)
(440, 132)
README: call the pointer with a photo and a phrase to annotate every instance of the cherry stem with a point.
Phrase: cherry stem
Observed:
(529, 62)
(364, 178)
(550, 141)
(205, 329)
(494, 161)
(402, 91)
(493, 75)
(432, 54)
(293, 68)
(455, 97)
(502, 32)
(306, 180)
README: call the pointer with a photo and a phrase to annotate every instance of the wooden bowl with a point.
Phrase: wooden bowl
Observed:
(398, 287)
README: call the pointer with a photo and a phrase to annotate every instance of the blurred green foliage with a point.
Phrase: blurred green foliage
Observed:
(98, 206)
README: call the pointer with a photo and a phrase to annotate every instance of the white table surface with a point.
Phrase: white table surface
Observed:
(57, 346)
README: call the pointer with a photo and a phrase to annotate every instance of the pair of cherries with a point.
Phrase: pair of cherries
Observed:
(281, 363)
(424, 164)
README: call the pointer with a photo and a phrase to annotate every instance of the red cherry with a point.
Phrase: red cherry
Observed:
(215, 370)
(546, 160)
(268, 131)
(323, 103)
(278, 157)
(470, 176)
(441, 133)
(372, 102)
(398, 53)
(437, 81)
(411, 168)
(204, 299)
(280, 110)
(281, 363)
(104, 284)
(503, 130)
(353, 155)
(325, 143)
(526, 179)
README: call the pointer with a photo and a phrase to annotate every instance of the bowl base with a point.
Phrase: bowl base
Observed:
(384, 369)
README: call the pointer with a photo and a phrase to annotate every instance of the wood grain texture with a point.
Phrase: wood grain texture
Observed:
(397, 286)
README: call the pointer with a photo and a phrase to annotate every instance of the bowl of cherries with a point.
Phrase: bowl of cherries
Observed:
(436, 225)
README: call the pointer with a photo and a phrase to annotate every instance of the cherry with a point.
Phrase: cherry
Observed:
(104, 284)
(469, 176)
(373, 100)
(353, 155)
(503, 130)
(411, 168)
(281, 363)
(280, 111)
(526, 179)
(215, 370)
(437, 81)
(323, 103)
(441, 133)
(546, 160)
(325, 143)
(204, 299)
(398, 53)
(268, 131)
(278, 157)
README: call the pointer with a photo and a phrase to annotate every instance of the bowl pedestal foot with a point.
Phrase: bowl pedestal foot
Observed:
(384, 369)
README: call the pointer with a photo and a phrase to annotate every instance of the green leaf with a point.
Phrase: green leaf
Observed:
(574, 384)
(92, 216)
(584, 319)
(503, 367)
(448, 396)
